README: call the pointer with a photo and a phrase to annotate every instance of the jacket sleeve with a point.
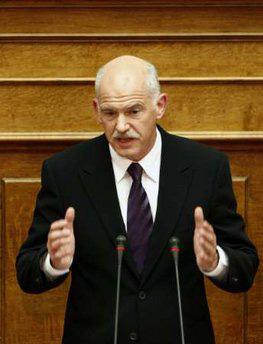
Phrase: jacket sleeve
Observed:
(229, 227)
(48, 209)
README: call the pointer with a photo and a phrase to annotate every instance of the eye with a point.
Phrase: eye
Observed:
(135, 111)
(109, 113)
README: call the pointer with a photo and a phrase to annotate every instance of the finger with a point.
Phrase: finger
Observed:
(70, 216)
(199, 217)
(56, 244)
(207, 242)
(208, 228)
(59, 233)
(206, 251)
(206, 247)
(206, 263)
(206, 235)
(208, 232)
(63, 252)
(59, 224)
(66, 260)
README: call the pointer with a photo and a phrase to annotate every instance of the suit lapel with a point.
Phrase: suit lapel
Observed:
(99, 183)
(175, 176)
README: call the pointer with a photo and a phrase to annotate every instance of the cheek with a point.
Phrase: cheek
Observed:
(108, 127)
(148, 128)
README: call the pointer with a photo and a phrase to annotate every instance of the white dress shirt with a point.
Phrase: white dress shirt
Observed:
(150, 181)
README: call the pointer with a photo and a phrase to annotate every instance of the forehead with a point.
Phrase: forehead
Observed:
(124, 102)
(124, 97)
(124, 81)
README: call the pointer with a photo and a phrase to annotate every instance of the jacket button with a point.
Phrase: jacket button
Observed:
(133, 336)
(142, 295)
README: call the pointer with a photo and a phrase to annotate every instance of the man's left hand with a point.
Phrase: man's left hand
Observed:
(204, 243)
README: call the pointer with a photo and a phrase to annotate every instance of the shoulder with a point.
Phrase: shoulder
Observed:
(196, 149)
(79, 154)
(194, 153)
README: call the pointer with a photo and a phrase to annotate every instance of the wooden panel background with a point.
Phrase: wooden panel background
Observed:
(209, 57)
(43, 313)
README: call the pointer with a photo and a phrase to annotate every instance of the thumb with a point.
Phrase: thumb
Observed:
(70, 216)
(199, 217)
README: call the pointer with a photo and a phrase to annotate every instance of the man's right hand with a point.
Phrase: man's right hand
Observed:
(61, 241)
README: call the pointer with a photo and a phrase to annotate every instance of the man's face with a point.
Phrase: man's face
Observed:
(128, 114)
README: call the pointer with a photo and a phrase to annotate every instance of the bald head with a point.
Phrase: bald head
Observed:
(126, 61)
(124, 72)
(128, 104)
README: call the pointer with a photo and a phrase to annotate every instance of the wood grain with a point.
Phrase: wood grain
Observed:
(137, 3)
(174, 59)
(230, 326)
(209, 57)
(193, 107)
(248, 190)
(252, 139)
(131, 20)
(130, 37)
(250, 165)
(43, 313)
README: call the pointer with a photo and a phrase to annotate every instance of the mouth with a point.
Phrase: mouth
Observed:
(124, 142)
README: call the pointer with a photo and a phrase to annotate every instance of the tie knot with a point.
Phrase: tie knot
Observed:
(135, 171)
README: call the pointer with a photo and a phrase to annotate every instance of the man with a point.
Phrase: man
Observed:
(139, 181)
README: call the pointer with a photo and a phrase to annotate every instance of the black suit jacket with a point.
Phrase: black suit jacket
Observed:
(82, 177)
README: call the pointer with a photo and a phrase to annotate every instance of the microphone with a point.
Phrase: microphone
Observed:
(175, 249)
(120, 248)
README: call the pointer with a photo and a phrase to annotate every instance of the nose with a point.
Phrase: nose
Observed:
(122, 125)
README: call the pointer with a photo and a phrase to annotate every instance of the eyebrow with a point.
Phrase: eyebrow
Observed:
(108, 108)
(134, 105)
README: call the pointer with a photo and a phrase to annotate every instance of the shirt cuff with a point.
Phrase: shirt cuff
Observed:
(50, 271)
(221, 269)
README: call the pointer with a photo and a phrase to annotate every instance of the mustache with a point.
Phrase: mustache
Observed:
(126, 135)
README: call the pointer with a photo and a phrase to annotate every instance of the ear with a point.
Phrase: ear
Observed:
(95, 104)
(161, 105)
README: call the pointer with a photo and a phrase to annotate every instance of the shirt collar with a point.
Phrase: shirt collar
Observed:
(150, 163)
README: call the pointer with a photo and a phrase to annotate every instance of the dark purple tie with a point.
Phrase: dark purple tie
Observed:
(139, 217)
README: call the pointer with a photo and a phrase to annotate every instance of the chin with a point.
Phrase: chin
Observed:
(125, 153)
